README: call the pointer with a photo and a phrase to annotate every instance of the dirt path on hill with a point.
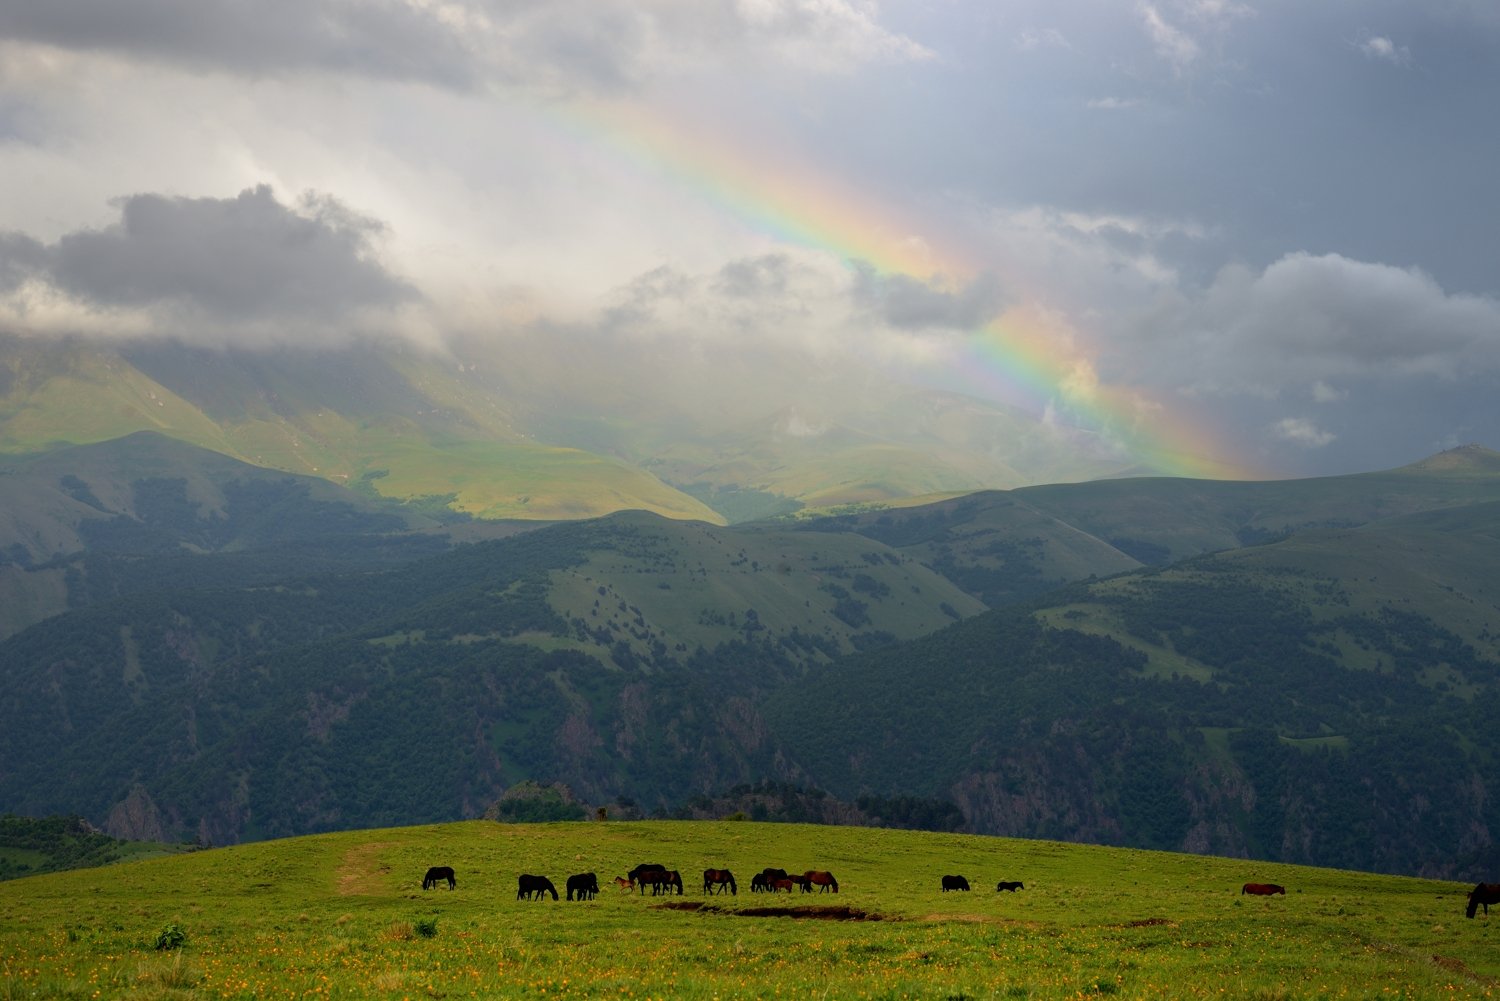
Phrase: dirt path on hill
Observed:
(361, 872)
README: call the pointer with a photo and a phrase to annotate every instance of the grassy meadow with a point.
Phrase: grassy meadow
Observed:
(344, 916)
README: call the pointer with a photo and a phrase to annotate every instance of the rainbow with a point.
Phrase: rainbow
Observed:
(1027, 355)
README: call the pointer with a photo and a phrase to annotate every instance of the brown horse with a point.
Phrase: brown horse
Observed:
(1262, 889)
(1483, 895)
(719, 878)
(624, 884)
(821, 878)
(777, 885)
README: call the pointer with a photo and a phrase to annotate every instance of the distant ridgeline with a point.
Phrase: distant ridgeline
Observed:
(1306, 671)
(33, 845)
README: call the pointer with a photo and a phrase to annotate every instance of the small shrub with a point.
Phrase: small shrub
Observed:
(426, 927)
(171, 937)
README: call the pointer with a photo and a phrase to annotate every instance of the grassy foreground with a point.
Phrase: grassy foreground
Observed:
(344, 916)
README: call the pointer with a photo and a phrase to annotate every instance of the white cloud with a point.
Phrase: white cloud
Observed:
(1303, 432)
(1031, 39)
(1173, 44)
(1385, 50)
(1113, 103)
(1322, 392)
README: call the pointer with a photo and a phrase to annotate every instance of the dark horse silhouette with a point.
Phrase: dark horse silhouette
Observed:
(1012, 887)
(820, 878)
(657, 876)
(954, 883)
(585, 885)
(1262, 889)
(719, 878)
(759, 883)
(532, 887)
(1483, 895)
(437, 874)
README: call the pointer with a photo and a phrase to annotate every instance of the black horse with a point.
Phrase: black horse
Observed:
(1483, 895)
(437, 874)
(954, 883)
(759, 883)
(585, 885)
(1012, 887)
(530, 887)
(719, 878)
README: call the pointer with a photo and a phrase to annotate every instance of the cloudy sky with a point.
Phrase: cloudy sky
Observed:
(1262, 229)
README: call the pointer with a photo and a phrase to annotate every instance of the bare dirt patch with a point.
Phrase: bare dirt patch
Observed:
(361, 872)
(811, 912)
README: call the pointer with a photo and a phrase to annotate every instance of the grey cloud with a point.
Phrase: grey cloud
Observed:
(381, 39)
(1329, 315)
(550, 45)
(21, 257)
(756, 276)
(220, 260)
(910, 304)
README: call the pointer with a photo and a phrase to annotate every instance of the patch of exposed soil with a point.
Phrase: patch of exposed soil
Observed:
(361, 872)
(814, 912)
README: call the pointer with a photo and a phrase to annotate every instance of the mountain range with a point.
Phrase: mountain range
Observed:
(198, 646)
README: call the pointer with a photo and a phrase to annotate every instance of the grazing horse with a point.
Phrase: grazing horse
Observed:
(438, 873)
(532, 887)
(1012, 887)
(759, 883)
(800, 881)
(585, 884)
(671, 878)
(719, 878)
(819, 878)
(1262, 889)
(1483, 895)
(652, 873)
(954, 883)
(778, 885)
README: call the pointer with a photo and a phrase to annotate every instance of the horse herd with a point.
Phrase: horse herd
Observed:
(585, 885)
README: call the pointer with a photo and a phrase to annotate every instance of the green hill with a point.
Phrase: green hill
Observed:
(343, 915)
(1323, 697)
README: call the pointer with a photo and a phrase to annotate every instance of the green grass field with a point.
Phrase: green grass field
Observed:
(343, 915)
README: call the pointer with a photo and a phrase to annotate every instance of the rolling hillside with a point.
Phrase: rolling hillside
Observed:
(1318, 696)
(342, 915)
(1322, 697)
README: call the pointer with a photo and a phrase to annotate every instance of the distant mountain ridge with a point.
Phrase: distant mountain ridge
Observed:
(404, 424)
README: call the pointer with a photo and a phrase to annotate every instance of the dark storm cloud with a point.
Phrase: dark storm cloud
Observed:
(21, 257)
(395, 40)
(910, 304)
(230, 260)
